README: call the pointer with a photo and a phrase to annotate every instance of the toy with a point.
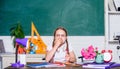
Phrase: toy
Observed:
(39, 45)
(32, 45)
(99, 58)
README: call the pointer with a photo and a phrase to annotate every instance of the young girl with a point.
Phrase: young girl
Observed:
(60, 51)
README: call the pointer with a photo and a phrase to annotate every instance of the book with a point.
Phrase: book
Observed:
(98, 66)
(44, 64)
(36, 65)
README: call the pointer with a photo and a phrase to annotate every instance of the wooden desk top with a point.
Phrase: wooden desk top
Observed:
(66, 67)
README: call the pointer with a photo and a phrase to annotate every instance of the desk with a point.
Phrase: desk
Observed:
(66, 67)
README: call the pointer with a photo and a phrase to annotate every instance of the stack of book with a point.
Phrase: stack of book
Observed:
(98, 66)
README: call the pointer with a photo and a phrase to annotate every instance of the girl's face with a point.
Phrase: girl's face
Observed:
(60, 34)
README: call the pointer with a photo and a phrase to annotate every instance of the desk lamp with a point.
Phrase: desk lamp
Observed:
(19, 42)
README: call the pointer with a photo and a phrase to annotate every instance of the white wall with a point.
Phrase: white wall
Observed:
(77, 42)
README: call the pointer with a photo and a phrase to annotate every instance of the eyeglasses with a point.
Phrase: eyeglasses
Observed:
(58, 35)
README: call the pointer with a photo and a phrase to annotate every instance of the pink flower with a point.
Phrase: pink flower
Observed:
(88, 53)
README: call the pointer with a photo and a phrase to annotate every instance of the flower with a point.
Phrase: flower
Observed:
(89, 53)
(96, 50)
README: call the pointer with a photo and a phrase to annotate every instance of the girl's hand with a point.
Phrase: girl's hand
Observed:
(67, 57)
(58, 42)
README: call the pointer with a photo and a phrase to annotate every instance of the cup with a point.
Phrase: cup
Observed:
(23, 59)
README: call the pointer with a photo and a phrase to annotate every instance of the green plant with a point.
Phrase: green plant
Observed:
(16, 31)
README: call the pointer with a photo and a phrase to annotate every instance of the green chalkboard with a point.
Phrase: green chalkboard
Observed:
(79, 17)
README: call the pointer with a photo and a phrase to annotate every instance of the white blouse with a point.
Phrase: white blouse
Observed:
(60, 53)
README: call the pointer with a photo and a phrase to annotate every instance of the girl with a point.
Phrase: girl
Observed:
(60, 51)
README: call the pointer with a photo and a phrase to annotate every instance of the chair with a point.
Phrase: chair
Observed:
(2, 49)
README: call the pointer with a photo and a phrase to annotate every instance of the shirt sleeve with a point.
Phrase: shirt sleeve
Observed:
(70, 48)
(49, 48)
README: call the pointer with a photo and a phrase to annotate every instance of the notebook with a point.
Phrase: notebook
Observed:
(98, 66)
(44, 64)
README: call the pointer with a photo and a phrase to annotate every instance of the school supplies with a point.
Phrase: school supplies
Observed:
(98, 66)
(44, 64)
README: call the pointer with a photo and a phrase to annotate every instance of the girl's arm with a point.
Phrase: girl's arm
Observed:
(51, 53)
(71, 57)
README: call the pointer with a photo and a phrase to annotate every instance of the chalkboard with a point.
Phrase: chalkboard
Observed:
(79, 17)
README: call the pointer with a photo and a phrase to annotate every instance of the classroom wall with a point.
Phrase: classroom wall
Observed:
(77, 42)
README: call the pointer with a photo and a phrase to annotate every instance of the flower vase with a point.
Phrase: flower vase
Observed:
(99, 58)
